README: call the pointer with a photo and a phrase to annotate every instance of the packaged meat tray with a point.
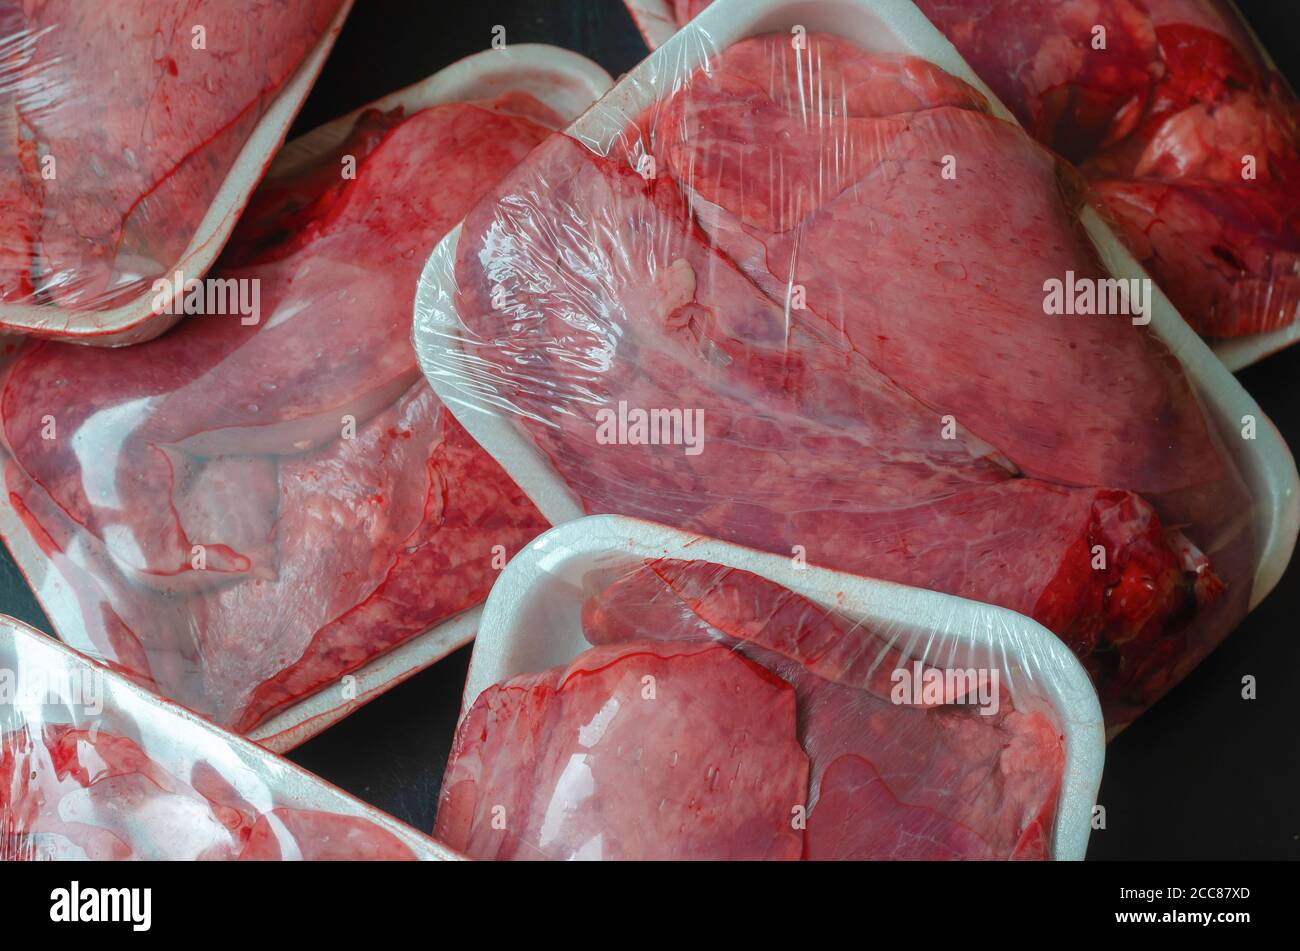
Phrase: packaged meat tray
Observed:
(123, 175)
(1179, 120)
(266, 514)
(809, 296)
(94, 767)
(638, 692)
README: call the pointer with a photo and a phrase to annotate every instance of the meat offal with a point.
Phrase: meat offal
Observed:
(866, 342)
(246, 510)
(721, 716)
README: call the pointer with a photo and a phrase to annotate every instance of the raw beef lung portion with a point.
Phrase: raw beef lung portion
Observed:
(917, 417)
(771, 730)
(336, 507)
(1160, 121)
(143, 126)
(917, 780)
(636, 751)
(69, 793)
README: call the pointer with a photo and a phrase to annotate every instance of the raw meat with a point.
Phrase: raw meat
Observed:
(246, 511)
(577, 770)
(69, 793)
(890, 779)
(638, 751)
(864, 344)
(142, 106)
(1161, 120)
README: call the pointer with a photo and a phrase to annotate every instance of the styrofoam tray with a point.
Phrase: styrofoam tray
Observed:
(135, 321)
(657, 23)
(532, 622)
(564, 81)
(1242, 352)
(895, 26)
(654, 19)
(162, 726)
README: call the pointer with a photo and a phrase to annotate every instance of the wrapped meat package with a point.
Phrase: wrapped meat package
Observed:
(704, 701)
(132, 134)
(255, 504)
(1187, 134)
(804, 294)
(93, 767)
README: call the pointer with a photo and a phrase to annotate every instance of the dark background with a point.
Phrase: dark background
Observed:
(1203, 775)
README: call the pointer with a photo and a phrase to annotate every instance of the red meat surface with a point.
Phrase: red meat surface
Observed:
(920, 418)
(1160, 121)
(649, 750)
(69, 793)
(890, 779)
(772, 732)
(143, 117)
(337, 507)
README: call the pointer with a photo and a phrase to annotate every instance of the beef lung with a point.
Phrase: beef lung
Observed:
(1160, 121)
(651, 750)
(143, 126)
(890, 779)
(68, 793)
(921, 418)
(770, 731)
(338, 509)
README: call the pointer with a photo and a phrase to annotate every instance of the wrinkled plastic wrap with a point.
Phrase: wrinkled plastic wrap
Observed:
(801, 302)
(119, 124)
(264, 499)
(701, 709)
(1188, 136)
(91, 767)
(1190, 141)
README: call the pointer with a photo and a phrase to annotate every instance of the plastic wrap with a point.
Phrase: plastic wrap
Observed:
(131, 134)
(1189, 140)
(637, 692)
(796, 291)
(1188, 135)
(93, 767)
(267, 498)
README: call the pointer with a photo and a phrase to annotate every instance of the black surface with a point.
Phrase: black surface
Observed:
(1203, 775)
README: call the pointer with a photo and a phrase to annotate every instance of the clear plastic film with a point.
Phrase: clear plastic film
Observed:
(270, 496)
(639, 693)
(120, 128)
(92, 767)
(1186, 133)
(808, 294)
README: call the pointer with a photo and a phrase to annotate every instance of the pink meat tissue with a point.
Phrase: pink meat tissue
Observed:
(720, 716)
(810, 254)
(109, 161)
(91, 768)
(1189, 139)
(245, 509)
(68, 793)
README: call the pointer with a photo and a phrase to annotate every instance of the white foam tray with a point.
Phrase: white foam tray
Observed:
(654, 20)
(135, 321)
(532, 622)
(174, 737)
(893, 26)
(656, 23)
(564, 81)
